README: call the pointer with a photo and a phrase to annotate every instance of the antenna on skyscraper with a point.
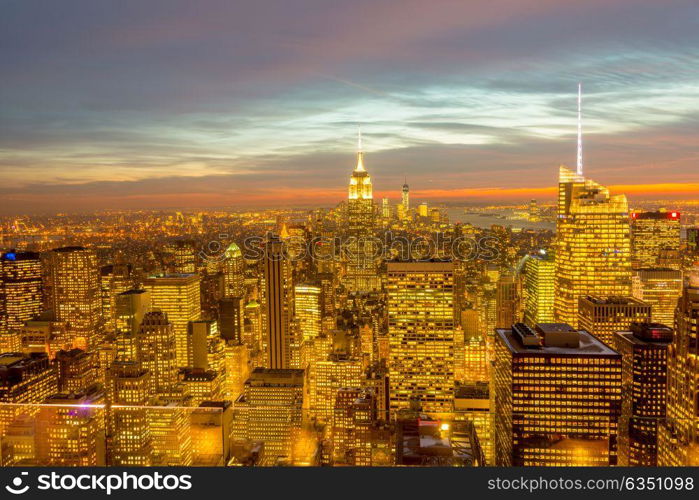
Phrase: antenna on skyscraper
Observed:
(580, 160)
(359, 138)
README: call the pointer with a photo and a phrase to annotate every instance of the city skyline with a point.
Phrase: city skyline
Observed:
(460, 349)
(139, 107)
(200, 267)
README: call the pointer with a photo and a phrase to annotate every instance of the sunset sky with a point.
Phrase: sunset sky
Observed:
(229, 103)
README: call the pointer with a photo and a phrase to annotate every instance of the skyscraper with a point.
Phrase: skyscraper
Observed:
(603, 317)
(178, 296)
(476, 366)
(326, 377)
(237, 361)
(557, 397)
(114, 279)
(643, 395)
(693, 239)
(233, 272)
(211, 425)
(156, 352)
(506, 300)
(422, 209)
(71, 430)
(405, 198)
(421, 335)
(130, 308)
(354, 419)
(307, 306)
(361, 272)
(534, 213)
(538, 289)
(169, 426)
(655, 239)
(23, 379)
(20, 289)
(45, 335)
(76, 371)
(593, 245)
(270, 411)
(230, 318)
(76, 294)
(678, 439)
(130, 441)
(660, 288)
(207, 346)
(181, 255)
(277, 280)
(385, 209)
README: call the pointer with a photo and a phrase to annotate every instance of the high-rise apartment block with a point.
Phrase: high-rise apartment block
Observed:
(661, 288)
(129, 441)
(643, 352)
(655, 239)
(678, 438)
(75, 284)
(178, 296)
(557, 397)
(603, 317)
(20, 289)
(421, 335)
(270, 410)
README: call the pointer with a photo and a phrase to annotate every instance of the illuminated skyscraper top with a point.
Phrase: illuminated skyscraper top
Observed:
(361, 273)
(406, 197)
(360, 182)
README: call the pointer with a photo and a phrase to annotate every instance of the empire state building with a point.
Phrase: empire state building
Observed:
(361, 250)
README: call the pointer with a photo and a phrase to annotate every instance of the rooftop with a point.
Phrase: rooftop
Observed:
(19, 256)
(649, 333)
(171, 278)
(589, 345)
(274, 376)
(633, 339)
(612, 300)
(431, 265)
(134, 292)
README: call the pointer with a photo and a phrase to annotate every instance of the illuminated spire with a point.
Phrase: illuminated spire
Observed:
(360, 152)
(580, 160)
(284, 233)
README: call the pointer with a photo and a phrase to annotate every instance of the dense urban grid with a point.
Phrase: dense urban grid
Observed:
(368, 334)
